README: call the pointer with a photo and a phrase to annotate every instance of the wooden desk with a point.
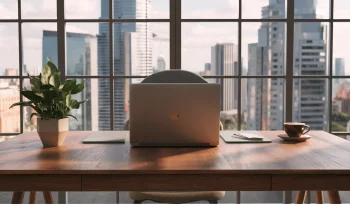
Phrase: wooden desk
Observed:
(322, 163)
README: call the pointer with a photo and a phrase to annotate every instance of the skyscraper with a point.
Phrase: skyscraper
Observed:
(258, 96)
(132, 55)
(339, 69)
(224, 62)
(207, 67)
(81, 60)
(309, 103)
(160, 64)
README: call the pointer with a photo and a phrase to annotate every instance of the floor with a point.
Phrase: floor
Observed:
(110, 197)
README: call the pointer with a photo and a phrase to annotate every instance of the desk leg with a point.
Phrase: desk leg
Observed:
(17, 197)
(300, 197)
(32, 197)
(117, 197)
(334, 197)
(287, 197)
(48, 197)
(62, 197)
(319, 197)
(238, 197)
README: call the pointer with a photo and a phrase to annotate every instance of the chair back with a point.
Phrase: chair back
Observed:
(174, 76)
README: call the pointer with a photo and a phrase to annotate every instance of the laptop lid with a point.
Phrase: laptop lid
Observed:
(174, 114)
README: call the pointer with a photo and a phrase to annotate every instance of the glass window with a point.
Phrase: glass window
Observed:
(8, 9)
(9, 64)
(39, 9)
(210, 48)
(208, 9)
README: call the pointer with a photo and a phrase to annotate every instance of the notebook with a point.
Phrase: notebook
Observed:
(106, 137)
(243, 137)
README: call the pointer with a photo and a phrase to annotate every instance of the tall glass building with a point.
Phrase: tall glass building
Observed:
(132, 55)
(310, 58)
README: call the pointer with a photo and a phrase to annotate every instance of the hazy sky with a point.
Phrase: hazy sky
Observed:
(197, 38)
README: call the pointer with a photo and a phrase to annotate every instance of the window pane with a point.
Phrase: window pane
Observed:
(29, 124)
(39, 9)
(140, 48)
(311, 9)
(90, 113)
(121, 102)
(263, 9)
(89, 9)
(214, 43)
(263, 48)
(208, 9)
(341, 9)
(310, 103)
(141, 9)
(340, 52)
(310, 48)
(229, 102)
(262, 104)
(38, 46)
(8, 9)
(9, 41)
(340, 105)
(9, 94)
(82, 50)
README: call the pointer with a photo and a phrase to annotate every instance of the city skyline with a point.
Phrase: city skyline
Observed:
(190, 9)
(133, 55)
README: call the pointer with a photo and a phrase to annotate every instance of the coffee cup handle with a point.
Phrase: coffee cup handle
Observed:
(308, 129)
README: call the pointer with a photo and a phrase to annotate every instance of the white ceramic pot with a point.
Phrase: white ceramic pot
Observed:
(52, 132)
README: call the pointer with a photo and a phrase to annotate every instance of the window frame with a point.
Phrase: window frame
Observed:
(175, 23)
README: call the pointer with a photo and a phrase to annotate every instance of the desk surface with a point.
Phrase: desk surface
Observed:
(324, 156)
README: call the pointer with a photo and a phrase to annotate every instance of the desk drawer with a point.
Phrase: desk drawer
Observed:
(311, 182)
(40, 182)
(199, 182)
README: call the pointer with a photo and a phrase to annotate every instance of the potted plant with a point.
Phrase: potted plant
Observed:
(52, 102)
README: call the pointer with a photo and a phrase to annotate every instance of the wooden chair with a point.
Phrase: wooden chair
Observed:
(175, 76)
(17, 197)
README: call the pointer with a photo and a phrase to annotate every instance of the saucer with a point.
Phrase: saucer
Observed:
(302, 138)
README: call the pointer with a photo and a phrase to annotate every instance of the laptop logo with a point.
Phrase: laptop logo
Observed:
(174, 116)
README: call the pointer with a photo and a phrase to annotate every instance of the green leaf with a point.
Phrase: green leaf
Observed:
(69, 85)
(35, 83)
(31, 96)
(42, 106)
(49, 70)
(68, 100)
(74, 104)
(40, 94)
(52, 66)
(38, 110)
(46, 87)
(25, 103)
(55, 80)
(78, 88)
(81, 102)
(72, 117)
(33, 114)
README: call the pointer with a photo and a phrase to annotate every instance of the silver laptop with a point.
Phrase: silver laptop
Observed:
(174, 114)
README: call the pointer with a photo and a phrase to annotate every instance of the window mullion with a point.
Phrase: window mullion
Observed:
(331, 10)
(239, 64)
(20, 48)
(111, 63)
(61, 39)
(289, 62)
(175, 34)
